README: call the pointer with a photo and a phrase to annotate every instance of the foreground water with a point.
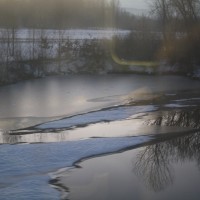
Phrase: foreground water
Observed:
(57, 121)
(164, 170)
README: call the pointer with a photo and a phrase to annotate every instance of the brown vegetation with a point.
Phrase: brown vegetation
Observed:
(180, 26)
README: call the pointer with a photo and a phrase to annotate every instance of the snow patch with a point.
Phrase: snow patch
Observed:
(113, 114)
(30, 164)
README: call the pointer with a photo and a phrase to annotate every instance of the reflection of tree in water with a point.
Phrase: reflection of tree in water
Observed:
(6, 138)
(154, 162)
(183, 118)
(154, 167)
(40, 137)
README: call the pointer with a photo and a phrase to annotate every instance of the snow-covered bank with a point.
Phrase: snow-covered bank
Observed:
(74, 34)
(162, 68)
(30, 70)
(39, 53)
(108, 115)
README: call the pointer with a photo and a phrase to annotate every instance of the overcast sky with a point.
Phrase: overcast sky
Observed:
(139, 4)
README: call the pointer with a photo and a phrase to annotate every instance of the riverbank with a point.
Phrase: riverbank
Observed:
(51, 53)
(40, 69)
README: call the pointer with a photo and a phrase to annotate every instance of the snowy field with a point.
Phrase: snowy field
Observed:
(73, 34)
(30, 44)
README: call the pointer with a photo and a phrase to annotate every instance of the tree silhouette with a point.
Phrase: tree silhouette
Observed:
(154, 162)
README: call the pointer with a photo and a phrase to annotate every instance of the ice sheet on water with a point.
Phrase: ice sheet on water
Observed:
(112, 114)
(24, 168)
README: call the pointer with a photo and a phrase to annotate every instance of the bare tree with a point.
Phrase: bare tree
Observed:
(183, 10)
(179, 16)
(162, 10)
(187, 10)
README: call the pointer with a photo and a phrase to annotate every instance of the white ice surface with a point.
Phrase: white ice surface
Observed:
(113, 114)
(24, 169)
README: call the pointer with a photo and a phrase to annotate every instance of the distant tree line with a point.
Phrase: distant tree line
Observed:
(63, 14)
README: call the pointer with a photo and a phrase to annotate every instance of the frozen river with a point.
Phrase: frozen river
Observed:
(56, 121)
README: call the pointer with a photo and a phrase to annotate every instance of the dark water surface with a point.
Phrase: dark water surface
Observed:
(165, 170)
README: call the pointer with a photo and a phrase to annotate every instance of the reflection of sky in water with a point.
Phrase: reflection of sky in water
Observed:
(37, 101)
(155, 123)
(112, 129)
(58, 96)
(54, 97)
